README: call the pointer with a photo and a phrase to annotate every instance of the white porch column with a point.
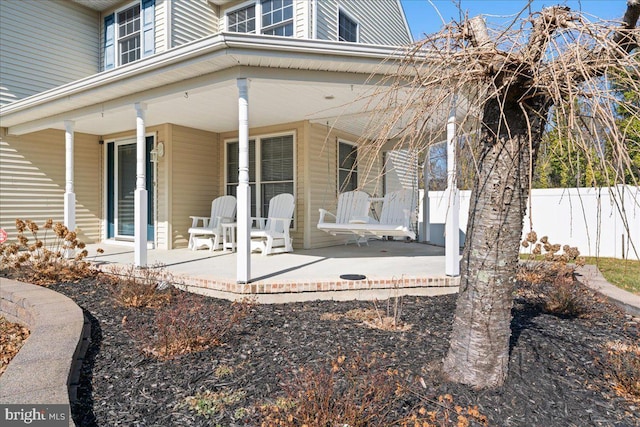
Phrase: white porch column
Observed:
(452, 227)
(69, 191)
(140, 196)
(244, 191)
(426, 221)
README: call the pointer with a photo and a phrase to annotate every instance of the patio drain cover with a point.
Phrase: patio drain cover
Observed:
(353, 276)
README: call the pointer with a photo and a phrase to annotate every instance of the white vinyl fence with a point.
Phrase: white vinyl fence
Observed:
(598, 221)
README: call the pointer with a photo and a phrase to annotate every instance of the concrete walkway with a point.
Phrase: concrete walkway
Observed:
(47, 367)
(590, 276)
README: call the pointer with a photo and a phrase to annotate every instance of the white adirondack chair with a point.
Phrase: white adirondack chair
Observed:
(353, 207)
(272, 235)
(207, 231)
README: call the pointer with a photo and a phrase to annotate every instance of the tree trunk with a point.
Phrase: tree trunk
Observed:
(479, 345)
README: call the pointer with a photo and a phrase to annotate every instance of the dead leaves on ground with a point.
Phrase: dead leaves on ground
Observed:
(12, 336)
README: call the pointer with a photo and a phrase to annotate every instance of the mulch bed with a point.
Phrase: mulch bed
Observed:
(556, 375)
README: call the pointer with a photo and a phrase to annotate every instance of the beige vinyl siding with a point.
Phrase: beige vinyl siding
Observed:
(161, 26)
(32, 181)
(44, 44)
(163, 192)
(298, 130)
(302, 19)
(194, 174)
(192, 20)
(323, 178)
(380, 21)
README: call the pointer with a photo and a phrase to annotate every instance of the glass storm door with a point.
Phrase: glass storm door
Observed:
(125, 189)
(121, 185)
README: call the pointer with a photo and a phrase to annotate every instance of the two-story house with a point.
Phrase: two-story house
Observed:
(86, 86)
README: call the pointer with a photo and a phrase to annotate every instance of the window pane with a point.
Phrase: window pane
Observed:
(347, 156)
(348, 181)
(242, 20)
(347, 167)
(277, 159)
(128, 23)
(347, 28)
(277, 17)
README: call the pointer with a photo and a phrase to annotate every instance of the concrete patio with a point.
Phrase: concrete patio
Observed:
(390, 267)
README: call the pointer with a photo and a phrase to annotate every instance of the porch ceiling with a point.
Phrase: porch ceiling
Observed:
(195, 86)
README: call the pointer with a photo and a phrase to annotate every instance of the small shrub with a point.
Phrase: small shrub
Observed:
(547, 277)
(139, 287)
(45, 256)
(213, 405)
(357, 391)
(352, 391)
(187, 325)
(623, 365)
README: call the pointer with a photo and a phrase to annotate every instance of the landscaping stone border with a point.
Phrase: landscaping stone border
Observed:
(47, 367)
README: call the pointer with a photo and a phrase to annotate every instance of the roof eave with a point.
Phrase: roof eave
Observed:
(235, 48)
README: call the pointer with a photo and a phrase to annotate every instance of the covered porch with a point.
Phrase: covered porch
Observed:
(170, 127)
(391, 268)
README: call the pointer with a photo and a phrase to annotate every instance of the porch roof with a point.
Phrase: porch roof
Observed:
(194, 85)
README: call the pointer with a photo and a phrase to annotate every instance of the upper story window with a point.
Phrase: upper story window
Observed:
(128, 22)
(129, 34)
(275, 18)
(242, 20)
(347, 28)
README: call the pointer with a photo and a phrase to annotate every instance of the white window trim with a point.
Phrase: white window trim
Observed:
(341, 10)
(258, 153)
(338, 167)
(258, 5)
(116, 38)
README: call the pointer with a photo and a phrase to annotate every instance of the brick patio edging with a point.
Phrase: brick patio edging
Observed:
(272, 288)
(47, 367)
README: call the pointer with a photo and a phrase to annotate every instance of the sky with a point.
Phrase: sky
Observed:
(424, 19)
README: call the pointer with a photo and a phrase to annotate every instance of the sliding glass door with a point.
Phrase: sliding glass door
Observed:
(121, 185)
